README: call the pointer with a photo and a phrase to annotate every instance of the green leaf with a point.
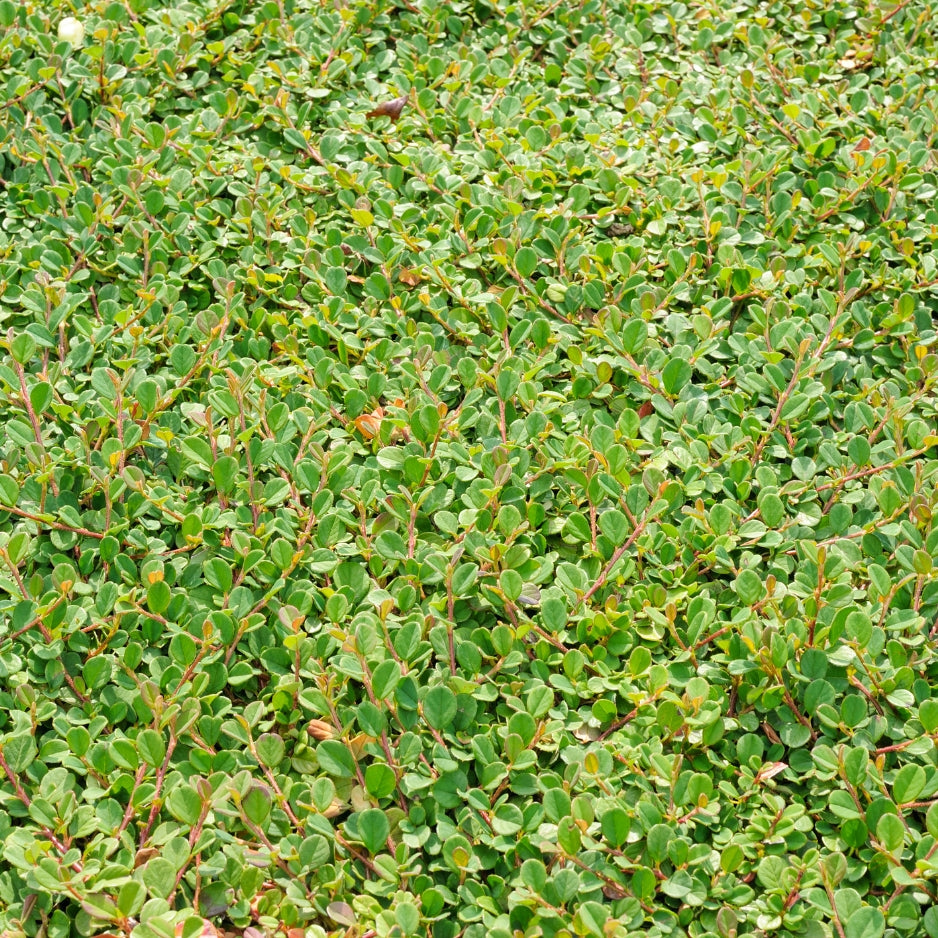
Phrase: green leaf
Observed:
(457, 852)
(371, 718)
(256, 805)
(525, 261)
(385, 678)
(556, 804)
(335, 758)
(554, 614)
(659, 836)
(439, 707)
(131, 897)
(19, 751)
(908, 784)
(930, 922)
(464, 578)
(336, 280)
(616, 825)
(568, 836)
(185, 804)
(147, 393)
(534, 876)
(330, 145)
(9, 490)
(151, 747)
(866, 922)
(614, 525)
(890, 832)
(772, 509)
(795, 735)
(314, 851)
(749, 587)
(380, 780)
(182, 358)
(159, 876)
(159, 596)
(373, 829)
(676, 374)
(511, 584)
(270, 749)
(218, 574)
(22, 348)
(322, 794)
(40, 396)
(931, 820)
(407, 916)
(225, 474)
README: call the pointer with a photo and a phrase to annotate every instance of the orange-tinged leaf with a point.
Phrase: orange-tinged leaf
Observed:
(409, 277)
(368, 425)
(357, 744)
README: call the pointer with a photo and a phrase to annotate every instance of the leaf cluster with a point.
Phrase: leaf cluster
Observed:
(468, 470)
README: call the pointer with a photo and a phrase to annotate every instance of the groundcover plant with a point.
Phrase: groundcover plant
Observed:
(468, 469)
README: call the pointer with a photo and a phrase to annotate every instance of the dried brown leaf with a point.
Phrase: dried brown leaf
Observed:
(391, 109)
(144, 855)
(409, 277)
(319, 729)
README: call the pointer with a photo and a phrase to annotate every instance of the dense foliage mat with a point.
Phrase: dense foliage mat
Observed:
(468, 468)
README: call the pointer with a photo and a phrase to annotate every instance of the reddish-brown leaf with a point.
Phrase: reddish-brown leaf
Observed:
(390, 109)
(144, 855)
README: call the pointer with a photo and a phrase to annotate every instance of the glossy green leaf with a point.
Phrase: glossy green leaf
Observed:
(373, 828)
(335, 758)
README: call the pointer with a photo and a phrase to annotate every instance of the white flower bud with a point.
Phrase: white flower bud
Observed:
(71, 30)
